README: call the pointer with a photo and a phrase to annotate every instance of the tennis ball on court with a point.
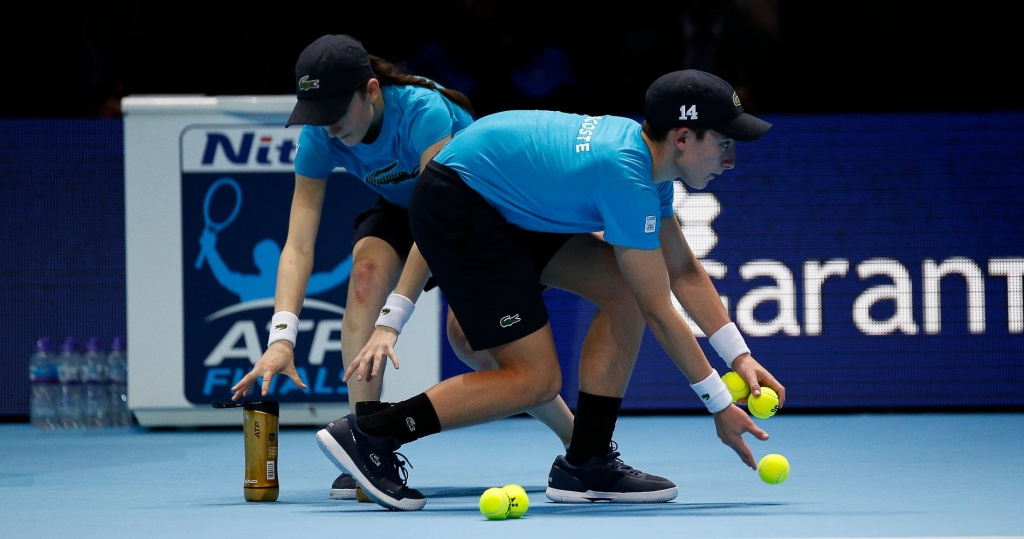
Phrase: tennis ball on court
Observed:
(765, 405)
(773, 469)
(738, 387)
(494, 504)
(518, 501)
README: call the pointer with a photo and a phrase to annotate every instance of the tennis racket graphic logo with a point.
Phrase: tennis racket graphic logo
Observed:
(214, 226)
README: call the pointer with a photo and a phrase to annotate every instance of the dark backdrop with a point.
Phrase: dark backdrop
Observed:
(782, 55)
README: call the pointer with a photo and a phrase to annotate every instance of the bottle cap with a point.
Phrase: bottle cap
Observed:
(269, 407)
(117, 344)
(70, 344)
(44, 344)
(93, 344)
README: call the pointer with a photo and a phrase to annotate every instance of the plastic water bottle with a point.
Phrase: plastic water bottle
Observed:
(45, 394)
(97, 391)
(71, 410)
(117, 372)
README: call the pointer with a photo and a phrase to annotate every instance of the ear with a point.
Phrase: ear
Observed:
(372, 88)
(679, 136)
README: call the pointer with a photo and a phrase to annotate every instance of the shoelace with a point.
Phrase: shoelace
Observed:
(615, 463)
(400, 467)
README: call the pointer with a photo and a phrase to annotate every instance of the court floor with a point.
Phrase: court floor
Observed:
(860, 475)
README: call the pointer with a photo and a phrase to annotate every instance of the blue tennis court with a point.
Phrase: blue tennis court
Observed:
(853, 475)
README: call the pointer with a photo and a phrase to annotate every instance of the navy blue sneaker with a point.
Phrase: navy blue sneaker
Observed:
(344, 488)
(373, 463)
(606, 479)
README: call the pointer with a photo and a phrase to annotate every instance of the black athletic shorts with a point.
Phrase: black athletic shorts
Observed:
(488, 269)
(390, 223)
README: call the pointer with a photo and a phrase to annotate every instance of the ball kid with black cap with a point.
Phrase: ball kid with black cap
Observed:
(477, 212)
(362, 113)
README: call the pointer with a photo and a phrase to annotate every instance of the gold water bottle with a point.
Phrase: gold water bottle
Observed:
(260, 423)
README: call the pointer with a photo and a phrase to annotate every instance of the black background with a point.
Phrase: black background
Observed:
(783, 56)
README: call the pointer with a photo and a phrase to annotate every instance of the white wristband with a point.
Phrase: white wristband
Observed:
(713, 392)
(284, 326)
(396, 312)
(729, 343)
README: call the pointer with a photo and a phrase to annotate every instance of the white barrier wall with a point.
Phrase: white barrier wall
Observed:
(208, 183)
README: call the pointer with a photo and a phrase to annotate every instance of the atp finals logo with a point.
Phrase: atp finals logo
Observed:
(696, 212)
(237, 185)
(246, 336)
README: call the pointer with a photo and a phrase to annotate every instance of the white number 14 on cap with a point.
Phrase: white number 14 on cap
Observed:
(688, 113)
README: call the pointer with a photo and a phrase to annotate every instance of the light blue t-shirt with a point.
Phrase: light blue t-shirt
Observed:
(568, 173)
(415, 118)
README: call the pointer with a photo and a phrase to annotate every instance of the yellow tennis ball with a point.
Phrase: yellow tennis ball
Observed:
(765, 405)
(773, 469)
(738, 387)
(494, 504)
(518, 501)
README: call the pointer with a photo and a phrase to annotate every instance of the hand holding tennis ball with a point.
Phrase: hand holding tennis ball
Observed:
(764, 405)
(738, 387)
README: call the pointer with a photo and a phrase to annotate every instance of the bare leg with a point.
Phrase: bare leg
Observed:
(613, 340)
(528, 376)
(554, 414)
(375, 270)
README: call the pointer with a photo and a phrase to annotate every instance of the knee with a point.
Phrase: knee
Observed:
(549, 390)
(542, 385)
(366, 276)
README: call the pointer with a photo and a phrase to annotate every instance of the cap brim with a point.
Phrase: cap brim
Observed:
(318, 111)
(744, 128)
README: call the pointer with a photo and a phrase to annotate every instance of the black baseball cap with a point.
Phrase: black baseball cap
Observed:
(693, 98)
(328, 72)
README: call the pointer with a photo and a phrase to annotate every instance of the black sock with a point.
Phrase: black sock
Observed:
(593, 425)
(405, 421)
(365, 408)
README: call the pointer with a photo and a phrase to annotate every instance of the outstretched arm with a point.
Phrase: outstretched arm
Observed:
(292, 276)
(647, 276)
(396, 312)
(697, 294)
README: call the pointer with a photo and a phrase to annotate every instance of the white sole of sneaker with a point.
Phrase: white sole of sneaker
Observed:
(343, 493)
(345, 463)
(591, 496)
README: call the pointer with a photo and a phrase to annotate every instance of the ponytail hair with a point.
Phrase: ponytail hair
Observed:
(389, 73)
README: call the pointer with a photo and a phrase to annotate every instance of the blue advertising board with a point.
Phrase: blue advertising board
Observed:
(236, 190)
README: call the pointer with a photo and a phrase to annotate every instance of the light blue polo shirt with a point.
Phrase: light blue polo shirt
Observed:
(415, 118)
(566, 173)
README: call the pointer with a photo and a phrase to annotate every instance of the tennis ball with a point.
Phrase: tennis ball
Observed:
(773, 469)
(494, 504)
(765, 405)
(518, 501)
(738, 387)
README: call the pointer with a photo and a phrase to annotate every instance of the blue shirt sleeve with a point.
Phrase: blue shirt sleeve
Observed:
(632, 214)
(427, 122)
(313, 156)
